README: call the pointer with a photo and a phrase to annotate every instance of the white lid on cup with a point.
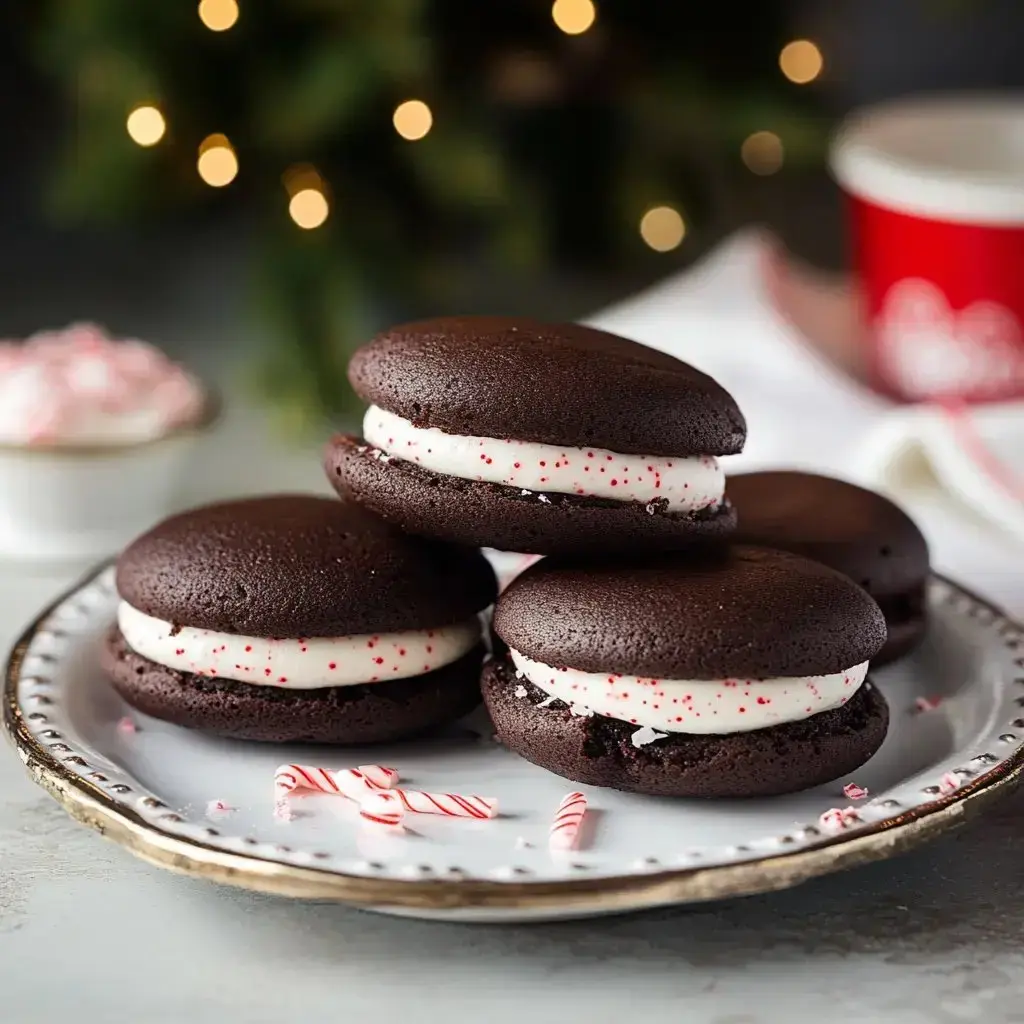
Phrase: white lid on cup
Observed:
(951, 158)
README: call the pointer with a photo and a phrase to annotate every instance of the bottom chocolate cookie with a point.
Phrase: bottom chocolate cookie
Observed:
(491, 515)
(348, 715)
(599, 751)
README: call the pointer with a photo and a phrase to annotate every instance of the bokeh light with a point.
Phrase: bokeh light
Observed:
(146, 125)
(573, 17)
(801, 61)
(663, 228)
(218, 15)
(217, 163)
(412, 119)
(309, 208)
(763, 152)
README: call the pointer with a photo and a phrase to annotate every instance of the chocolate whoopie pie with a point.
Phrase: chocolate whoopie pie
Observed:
(543, 438)
(298, 618)
(736, 674)
(856, 531)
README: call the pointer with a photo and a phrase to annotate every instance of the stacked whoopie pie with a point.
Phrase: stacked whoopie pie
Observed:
(297, 618)
(643, 652)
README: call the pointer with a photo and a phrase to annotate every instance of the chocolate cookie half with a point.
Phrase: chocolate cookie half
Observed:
(859, 533)
(297, 618)
(741, 673)
(522, 436)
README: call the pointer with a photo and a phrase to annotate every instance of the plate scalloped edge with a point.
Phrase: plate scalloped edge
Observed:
(154, 833)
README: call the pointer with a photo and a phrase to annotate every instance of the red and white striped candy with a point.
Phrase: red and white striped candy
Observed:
(378, 776)
(353, 783)
(451, 805)
(565, 827)
(389, 814)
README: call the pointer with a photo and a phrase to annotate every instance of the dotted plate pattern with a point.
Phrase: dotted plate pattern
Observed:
(62, 712)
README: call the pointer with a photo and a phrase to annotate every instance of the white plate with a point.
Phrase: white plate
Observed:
(149, 790)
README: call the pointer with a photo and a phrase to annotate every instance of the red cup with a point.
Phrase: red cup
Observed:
(936, 194)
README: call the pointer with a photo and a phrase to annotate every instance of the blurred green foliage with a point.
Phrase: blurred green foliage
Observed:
(545, 151)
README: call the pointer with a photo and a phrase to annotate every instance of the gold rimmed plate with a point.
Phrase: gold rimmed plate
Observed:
(150, 786)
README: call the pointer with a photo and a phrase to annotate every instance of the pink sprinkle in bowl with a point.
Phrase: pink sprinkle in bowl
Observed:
(95, 436)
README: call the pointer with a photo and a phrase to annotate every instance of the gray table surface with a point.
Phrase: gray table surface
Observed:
(87, 933)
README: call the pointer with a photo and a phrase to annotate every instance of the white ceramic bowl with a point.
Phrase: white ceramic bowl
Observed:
(71, 504)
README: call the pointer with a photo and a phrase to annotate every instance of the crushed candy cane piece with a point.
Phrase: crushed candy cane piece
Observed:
(927, 703)
(854, 792)
(350, 782)
(391, 815)
(218, 808)
(565, 827)
(949, 783)
(283, 811)
(451, 805)
(126, 727)
(645, 734)
(838, 819)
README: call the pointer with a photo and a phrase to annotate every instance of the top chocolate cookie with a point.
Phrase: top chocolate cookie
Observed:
(856, 531)
(299, 565)
(737, 611)
(541, 438)
(557, 384)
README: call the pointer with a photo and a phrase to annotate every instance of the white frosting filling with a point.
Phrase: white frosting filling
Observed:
(686, 484)
(695, 706)
(296, 664)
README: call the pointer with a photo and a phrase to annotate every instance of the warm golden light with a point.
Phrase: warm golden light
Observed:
(146, 125)
(217, 163)
(801, 61)
(573, 17)
(218, 15)
(308, 208)
(412, 119)
(662, 228)
(762, 152)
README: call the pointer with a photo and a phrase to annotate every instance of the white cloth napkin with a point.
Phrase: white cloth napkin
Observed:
(804, 413)
(973, 457)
